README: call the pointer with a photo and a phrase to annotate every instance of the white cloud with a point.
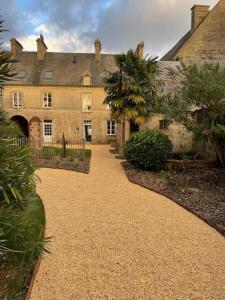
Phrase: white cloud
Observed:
(120, 24)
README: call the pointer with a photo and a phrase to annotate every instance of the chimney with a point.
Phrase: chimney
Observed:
(16, 47)
(98, 47)
(41, 48)
(199, 12)
(140, 50)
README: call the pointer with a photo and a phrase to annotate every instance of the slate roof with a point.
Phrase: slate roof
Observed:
(68, 73)
(65, 71)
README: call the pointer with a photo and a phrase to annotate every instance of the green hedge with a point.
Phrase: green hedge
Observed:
(148, 149)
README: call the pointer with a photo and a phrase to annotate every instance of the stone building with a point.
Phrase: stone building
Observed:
(206, 38)
(60, 92)
(63, 92)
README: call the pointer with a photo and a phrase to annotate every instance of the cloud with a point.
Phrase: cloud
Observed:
(72, 25)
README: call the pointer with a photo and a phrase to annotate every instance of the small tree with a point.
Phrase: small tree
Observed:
(133, 90)
(199, 104)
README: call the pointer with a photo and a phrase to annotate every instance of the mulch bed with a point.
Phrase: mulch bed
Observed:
(202, 192)
(82, 166)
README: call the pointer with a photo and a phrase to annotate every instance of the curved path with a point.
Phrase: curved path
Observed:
(116, 240)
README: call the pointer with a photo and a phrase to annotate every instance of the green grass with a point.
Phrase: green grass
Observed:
(23, 231)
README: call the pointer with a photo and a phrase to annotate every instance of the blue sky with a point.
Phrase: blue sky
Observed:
(73, 25)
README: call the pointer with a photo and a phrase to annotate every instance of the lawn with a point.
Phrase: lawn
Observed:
(23, 230)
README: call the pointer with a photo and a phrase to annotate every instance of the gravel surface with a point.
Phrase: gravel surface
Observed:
(116, 240)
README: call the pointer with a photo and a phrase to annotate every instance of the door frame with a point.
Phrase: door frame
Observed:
(49, 140)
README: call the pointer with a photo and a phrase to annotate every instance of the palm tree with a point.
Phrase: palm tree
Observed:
(133, 89)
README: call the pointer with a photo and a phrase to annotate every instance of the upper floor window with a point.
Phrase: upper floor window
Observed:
(47, 100)
(86, 79)
(164, 124)
(48, 75)
(111, 127)
(17, 99)
(87, 102)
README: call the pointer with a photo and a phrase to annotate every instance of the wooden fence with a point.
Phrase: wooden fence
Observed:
(54, 148)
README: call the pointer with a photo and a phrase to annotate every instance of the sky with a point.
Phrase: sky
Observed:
(73, 25)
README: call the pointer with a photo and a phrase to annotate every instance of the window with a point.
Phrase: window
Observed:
(47, 100)
(21, 74)
(47, 131)
(48, 75)
(17, 99)
(164, 124)
(111, 128)
(87, 102)
(86, 78)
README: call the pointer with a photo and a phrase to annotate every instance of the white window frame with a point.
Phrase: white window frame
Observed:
(47, 100)
(87, 80)
(17, 99)
(87, 108)
(110, 128)
(48, 122)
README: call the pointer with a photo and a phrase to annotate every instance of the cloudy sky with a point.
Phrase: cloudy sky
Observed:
(72, 25)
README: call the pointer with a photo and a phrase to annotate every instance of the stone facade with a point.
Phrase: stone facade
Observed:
(66, 111)
(206, 39)
(181, 139)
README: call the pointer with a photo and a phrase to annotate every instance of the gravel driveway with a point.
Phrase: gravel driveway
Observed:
(115, 240)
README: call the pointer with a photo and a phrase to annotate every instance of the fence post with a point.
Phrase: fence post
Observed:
(63, 146)
(83, 149)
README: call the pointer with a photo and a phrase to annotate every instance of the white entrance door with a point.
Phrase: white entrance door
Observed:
(47, 131)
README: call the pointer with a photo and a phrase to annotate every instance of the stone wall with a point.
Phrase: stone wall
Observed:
(66, 111)
(208, 40)
(181, 139)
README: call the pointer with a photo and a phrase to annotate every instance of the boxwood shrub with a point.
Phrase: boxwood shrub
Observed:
(148, 149)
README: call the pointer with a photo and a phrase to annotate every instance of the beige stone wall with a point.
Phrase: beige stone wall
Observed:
(66, 111)
(181, 139)
(208, 40)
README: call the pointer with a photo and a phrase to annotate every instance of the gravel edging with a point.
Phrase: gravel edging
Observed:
(34, 274)
(211, 224)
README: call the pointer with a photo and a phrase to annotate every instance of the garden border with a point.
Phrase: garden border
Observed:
(64, 169)
(171, 199)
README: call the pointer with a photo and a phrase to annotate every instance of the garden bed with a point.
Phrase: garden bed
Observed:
(201, 191)
(175, 164)
(73, 162)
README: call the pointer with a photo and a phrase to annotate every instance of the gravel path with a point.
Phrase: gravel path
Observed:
(116, 240)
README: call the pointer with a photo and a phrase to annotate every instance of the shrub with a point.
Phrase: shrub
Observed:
(17, 177)
(148, 149)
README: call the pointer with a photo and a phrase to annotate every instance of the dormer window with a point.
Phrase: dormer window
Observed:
(86, 78)
(48, 75)
(21, 74)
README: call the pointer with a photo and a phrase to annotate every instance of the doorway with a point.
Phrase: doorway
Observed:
(47, 131)
(22, 123)
(87, 130)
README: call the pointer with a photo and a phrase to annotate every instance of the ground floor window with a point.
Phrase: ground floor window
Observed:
(111, 127)
(47, 131)
(88, 130)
